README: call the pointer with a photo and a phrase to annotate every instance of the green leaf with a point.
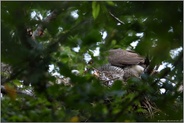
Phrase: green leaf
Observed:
(110, 3)
(95, 9)
(17, 82)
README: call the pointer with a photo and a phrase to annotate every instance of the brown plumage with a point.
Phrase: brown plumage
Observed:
(123, 65)
(121, 58)
(108, 74)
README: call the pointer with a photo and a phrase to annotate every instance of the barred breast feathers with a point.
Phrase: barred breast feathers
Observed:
(109, 67)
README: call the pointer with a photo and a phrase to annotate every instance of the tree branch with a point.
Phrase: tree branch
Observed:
(4, 91)
(40, 29)
(52, 47)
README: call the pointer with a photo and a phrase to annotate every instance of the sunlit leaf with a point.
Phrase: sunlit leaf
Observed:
(95, 9)
(110, 3)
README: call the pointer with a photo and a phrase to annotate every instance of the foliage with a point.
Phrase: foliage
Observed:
(85, 98)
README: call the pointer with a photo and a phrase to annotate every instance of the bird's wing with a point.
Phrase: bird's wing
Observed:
(120, 58)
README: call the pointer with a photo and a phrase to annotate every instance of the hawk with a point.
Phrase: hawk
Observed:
(108, 73)
(123, 64)
(132, 63)
(122, 58)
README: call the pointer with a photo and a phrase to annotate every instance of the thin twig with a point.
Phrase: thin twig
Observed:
(116, 18)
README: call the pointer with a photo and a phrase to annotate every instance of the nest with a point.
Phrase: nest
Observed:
(108, 74)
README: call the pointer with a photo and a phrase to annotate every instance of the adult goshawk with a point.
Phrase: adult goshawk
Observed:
(122, 58)
(122, 65)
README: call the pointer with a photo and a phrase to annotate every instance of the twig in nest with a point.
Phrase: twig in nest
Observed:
(148, 106)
